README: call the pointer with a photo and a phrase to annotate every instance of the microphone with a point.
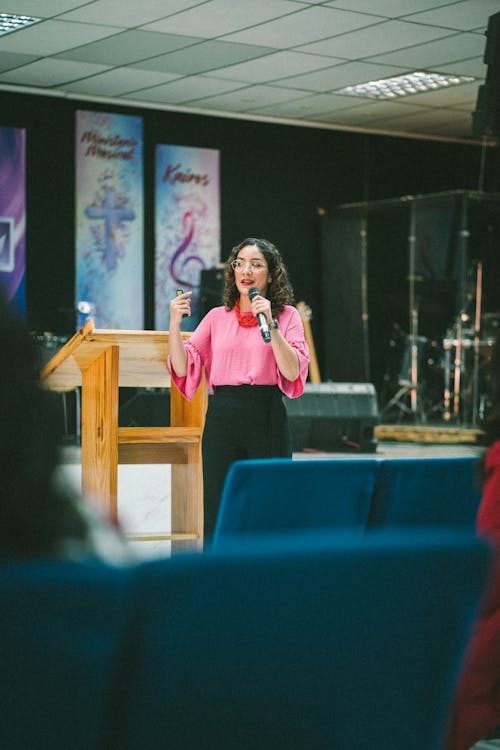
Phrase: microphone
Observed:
(253, 292)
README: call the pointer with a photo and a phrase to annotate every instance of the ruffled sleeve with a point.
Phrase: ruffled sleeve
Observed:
(198, 356)
(293, 330)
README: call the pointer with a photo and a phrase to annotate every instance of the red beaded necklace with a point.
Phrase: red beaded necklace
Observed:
(247, 320)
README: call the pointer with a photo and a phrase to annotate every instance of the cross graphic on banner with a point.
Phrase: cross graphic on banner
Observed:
(114, 212)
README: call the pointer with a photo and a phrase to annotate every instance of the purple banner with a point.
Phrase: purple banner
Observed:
(13, 215)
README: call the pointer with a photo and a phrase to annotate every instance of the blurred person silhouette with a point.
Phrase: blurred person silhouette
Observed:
(475, 718)
(39, 514)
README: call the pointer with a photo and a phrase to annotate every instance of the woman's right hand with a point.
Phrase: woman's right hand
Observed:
(180, 306)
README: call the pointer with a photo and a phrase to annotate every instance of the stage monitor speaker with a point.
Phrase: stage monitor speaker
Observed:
(334, 417)
(486, 117)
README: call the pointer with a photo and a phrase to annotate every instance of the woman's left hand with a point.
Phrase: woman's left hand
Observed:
(262, 305)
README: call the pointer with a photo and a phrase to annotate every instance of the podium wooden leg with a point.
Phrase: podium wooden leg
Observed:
(100, 431)
(187, 498)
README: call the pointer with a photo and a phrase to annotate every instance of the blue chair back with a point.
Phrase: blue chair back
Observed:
(284, 495)
(426, 491)
(314, 641)
(63, 629)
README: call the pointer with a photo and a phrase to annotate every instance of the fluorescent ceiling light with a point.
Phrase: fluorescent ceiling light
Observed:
(411, 83)
(10, 22)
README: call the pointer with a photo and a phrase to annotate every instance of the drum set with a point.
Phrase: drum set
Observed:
(446, 379)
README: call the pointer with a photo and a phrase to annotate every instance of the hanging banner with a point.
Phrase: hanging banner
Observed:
(109, 220)
(13, 216)
(187, 225)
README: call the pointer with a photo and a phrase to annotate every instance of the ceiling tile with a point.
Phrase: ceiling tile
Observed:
(117, 82)
(389, 8)
(472, 67)
(443, 51)
(218, 17)
(381, 110)
(306, 25)
(49, 72)
(184, 90)
(304, 107)
(447, 97)
(203, 57)
(130, 14)
(128, 47)
(246, 98)
(340, 75)
(464, 15)
(50, 37)
(9, 60)
(460, 126)
(275, 66)
(375, 39)
(426, 115)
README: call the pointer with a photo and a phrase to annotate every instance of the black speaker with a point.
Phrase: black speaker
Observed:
(334, 417)
(211, 289)
(486, 117)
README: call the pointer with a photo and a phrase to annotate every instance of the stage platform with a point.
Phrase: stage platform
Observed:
(438, 434)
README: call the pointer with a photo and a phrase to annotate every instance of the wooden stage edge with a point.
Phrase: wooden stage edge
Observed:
(427, 434)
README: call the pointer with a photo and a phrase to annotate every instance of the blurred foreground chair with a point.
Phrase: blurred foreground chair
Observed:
(320, 640)
(63, 632)
(270, 495)
(440, 491)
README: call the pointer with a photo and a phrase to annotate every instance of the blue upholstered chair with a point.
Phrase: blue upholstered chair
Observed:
(64, 629)
(269, 495)
(439, 491)
(318, 641)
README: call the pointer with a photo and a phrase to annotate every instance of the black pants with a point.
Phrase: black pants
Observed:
(244, 421)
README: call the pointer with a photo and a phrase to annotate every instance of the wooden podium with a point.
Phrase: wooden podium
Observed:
(102, 361)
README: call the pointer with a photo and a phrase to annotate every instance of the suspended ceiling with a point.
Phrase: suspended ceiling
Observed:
(278, 60)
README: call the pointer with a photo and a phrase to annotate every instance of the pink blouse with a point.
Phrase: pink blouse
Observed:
(236, 355)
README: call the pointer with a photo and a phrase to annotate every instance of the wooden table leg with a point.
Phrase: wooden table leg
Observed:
(100, 431)
(187, 497)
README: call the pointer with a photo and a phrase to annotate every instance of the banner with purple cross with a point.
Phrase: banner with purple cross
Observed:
(109, 220)
(13, 216)
(187, 225)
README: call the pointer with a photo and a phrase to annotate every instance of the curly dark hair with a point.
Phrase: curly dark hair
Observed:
(279, 290)
(491, 425)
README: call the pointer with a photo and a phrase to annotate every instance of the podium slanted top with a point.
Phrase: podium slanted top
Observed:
(142, 358)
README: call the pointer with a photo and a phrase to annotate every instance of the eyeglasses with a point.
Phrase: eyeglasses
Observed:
(255, 265)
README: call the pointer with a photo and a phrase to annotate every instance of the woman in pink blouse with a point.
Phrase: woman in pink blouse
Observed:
(246, 375)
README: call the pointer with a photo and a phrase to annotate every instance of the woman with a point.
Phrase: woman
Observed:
(475, 721)
(246, 376)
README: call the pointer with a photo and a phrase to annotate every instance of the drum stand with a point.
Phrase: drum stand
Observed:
(411, 387)
(453, 398)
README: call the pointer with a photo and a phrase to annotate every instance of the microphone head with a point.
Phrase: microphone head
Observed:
(253, 292)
